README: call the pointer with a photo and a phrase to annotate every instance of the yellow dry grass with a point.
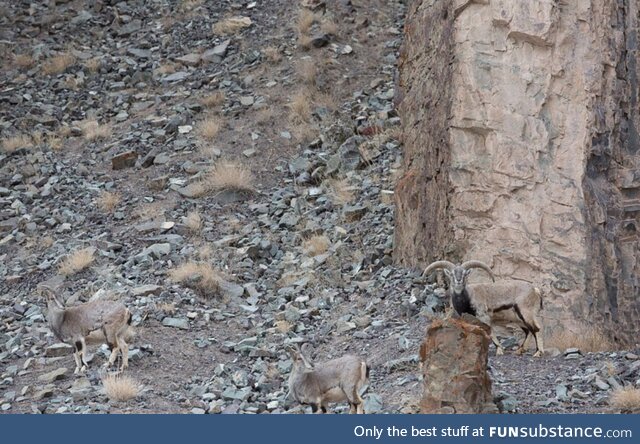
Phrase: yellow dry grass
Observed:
(168, 308)
(339, 190)
(94, 131)
(209, 128)
(54, 142)
(108, 201)
(306, 19)
(272, 54)
(93, 64)
(213, 100)
(16, 142)
(193, 222)
(316, 245)
(58, 64)
(120, 388)
(76, 261)
(205, 252)
(626, 399)
(199, 276)
(587, 339)
(283, 326)
(305, 42)
(308, 72)
(300, 108)
(23, 61)
(329, 27)
(228, 175)
(231, 25)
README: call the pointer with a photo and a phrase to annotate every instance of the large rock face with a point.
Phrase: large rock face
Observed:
(454, 364)
(521, 148)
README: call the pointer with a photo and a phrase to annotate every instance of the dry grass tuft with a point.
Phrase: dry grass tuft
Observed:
(329, 27)
(308, 72)
(300, 107)
(108, 201)
(93, 64)
(209, 128)
(190, 5)
(205, 252)
(58, 64)
(120, 388)
(306, 19)
(305, 42)
(165, 68)
(272, 54)
(339, 190)
(199, 276)
(586, 339)
(316, 245)
(76, 261)
(213, 100)
(626, 399)
(54, 142)
(230, 176)
(231, 25)
(193, 222)
(14, 143)
(94, 131)
(23, 61)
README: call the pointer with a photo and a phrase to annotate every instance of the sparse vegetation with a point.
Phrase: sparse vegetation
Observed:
(76, 261)
(300, 108)
(272, 54)
(16, 142)
(120, 388)
(316, 245)
(23, 61)
(231, 25)
(213, 100)
(626, 400)
(587, 339)
(306, 19)
(58, 64)
(93, 64)
(94, 131)
(199, 276)
(329, 27)
(209, 128)
(308, 72)
(339, 190)
(108, 201)
(229, 175)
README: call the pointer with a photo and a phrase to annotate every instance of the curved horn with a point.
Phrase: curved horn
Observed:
(478, 264)
(438, 264)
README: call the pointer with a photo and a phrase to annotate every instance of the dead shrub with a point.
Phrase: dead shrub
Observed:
(199, 276)
(339, 190)
(23, 61)
(626, 399)
(209, 128)
(58, 64)
(328, 26)
(306, 19)
(16, 142)
(120, 388)
(300, 107)
(231, 25)
(93, 64)
(587, 339)
(76, 261)
(316, 245)
(308, 72)
(213, 100)
(94, 131)
(108, 201)
(229, 175)
(272, 54)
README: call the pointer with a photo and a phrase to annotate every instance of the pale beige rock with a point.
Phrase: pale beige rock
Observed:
(521, 149)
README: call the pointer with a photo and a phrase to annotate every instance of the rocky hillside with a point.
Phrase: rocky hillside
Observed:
(226, 169)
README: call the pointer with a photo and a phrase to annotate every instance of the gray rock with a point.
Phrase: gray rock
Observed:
(58, 350)
(181, 323)
(373, 403)
(145, 290)
(175, 77)
(54, 375)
